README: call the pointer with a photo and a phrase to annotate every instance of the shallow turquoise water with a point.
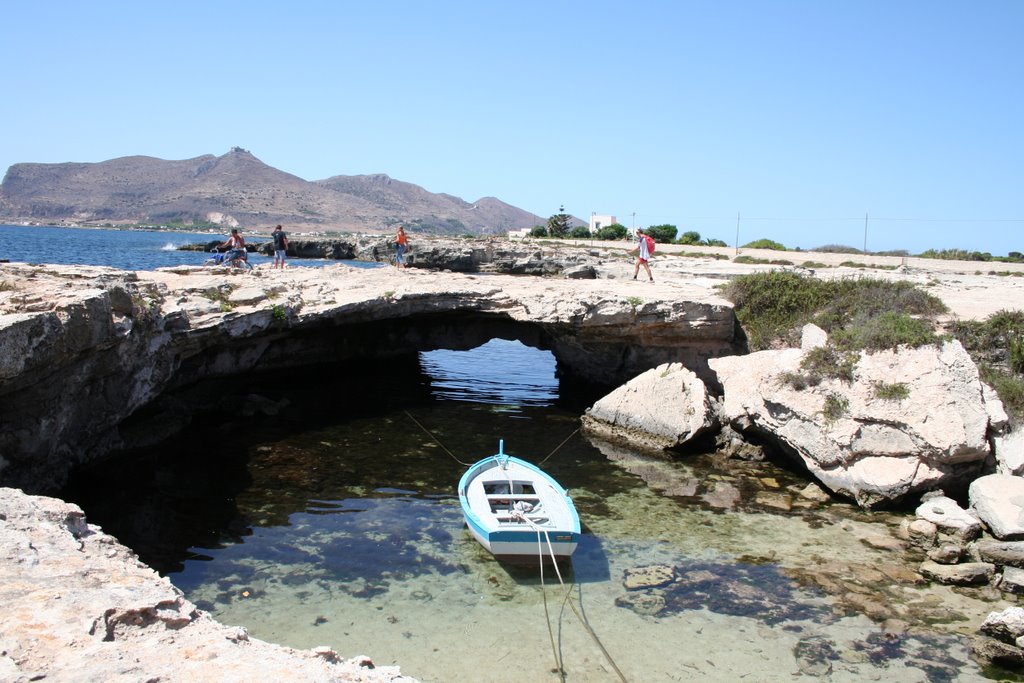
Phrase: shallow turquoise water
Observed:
(335, 522)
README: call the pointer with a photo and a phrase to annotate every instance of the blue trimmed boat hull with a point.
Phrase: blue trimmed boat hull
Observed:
(517, 511)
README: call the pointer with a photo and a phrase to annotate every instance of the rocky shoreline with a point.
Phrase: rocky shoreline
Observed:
(79, 606)
(116, 341)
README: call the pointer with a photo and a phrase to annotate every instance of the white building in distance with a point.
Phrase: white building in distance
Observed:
(597, 222)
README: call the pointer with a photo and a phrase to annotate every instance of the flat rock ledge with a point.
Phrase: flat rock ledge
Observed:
(77, 605)
(83, 348)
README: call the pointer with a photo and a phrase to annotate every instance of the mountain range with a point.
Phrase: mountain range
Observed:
(238, 190)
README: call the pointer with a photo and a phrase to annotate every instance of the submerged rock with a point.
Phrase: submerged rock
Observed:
(966, 574)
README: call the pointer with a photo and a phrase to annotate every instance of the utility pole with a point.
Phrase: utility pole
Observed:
(634, 222)
(737, 232)
(865, 233)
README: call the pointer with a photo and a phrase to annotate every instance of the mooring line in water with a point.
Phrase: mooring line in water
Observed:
(556, 651)
(558, 446)
(436, 440)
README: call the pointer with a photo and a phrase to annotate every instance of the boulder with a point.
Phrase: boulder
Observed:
(652, 576)
(664, 407)
(1009, 450)
(947, 553)
(921, 532)
(998, 499)
(990, 651)
(966, 574)
(583, 272)
(860, 445)
(950, 519)
(1012, 580)
(1004, 553)
(1006, 626)
(812, 337)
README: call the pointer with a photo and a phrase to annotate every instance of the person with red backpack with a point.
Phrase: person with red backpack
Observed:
(644, 249)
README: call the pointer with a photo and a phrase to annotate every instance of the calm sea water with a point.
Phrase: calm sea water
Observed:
(125, 249)
(331, 518)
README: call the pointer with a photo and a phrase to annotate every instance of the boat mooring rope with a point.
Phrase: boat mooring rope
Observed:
(466, 464)
(566, 599)
(558, 446)
(437, 441)
(543, 533)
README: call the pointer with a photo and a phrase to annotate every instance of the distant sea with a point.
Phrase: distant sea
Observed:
(124, 249)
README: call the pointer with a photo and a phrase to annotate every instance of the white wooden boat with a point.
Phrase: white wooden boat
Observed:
(517, 511)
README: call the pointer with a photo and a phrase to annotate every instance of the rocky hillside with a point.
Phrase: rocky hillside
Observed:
(239, 189)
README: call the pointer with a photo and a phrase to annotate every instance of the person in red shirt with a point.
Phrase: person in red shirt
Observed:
(401, 244)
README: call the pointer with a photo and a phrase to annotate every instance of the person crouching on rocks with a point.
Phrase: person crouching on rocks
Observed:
(235, 245)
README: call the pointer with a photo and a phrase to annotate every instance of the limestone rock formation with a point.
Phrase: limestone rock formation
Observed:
(664, 407)
(1003, 636)
(851, 437)
(77, 605)
(998, 499)
(84, 348)
(1009, 448)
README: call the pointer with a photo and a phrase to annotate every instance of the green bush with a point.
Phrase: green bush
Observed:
(764, 243)
(997, 340)
(1010, 389)
(615, 231)
(689, 237)
(700, 254)
(829, 361)
(580, 232)
(835, 407)
(711, 242)
(838, 249)
(956, 255)
(897, 391)
(886, 331)
(796, 380)
(662, 233)
(539, 231)
(1017, 355)
(773, 306)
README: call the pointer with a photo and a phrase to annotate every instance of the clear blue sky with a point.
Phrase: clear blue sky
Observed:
(801, 116)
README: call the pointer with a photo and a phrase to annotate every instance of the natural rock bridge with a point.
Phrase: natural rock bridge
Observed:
(84, 348)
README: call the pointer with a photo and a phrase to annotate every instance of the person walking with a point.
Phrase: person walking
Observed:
(401, 243)
(643, 254)
(280, 246)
